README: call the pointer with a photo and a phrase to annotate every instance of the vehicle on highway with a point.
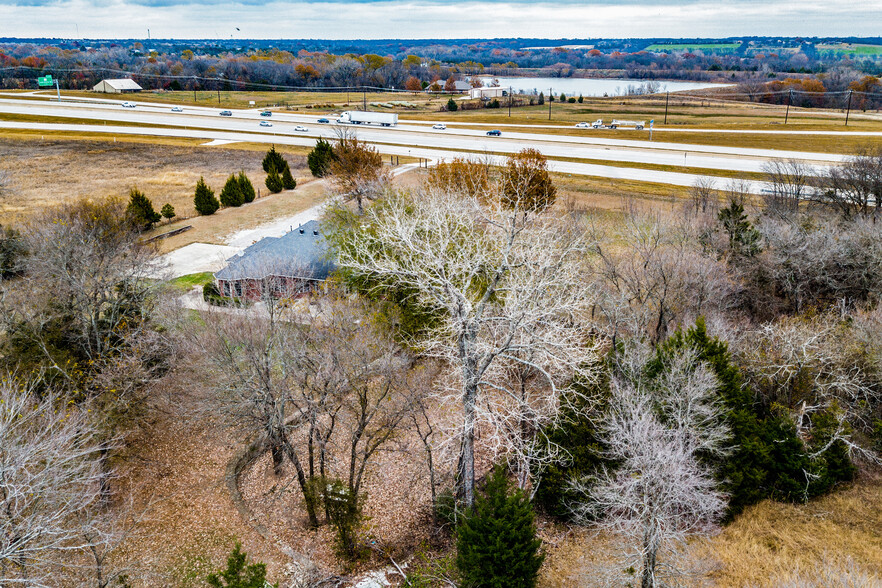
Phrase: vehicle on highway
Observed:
(177, 109)
(324, 121)
(266, 113)
(494, 133)
(226, 113)
(300, 128)
(637, 124)
(128, 105)
(439, 126)
(357, 117)
(583, 125)
(266, 123)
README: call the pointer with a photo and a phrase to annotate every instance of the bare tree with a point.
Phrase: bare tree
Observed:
(50, 482)
(662, 493)
(489, 274)
(789, 183)
(855, 186)
(526, 184)
(701, 194)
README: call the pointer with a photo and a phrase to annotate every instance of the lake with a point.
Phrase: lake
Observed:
(593, 87)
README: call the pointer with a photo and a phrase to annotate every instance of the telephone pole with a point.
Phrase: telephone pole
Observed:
(789, 100)
(509, 101)
(847, 108)
(550, 99)
(667, 97)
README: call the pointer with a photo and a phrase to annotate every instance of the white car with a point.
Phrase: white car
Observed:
(583, 125)
(177, 109)
(266, 123)
(439, 126)
(128, 104)
(300, 128)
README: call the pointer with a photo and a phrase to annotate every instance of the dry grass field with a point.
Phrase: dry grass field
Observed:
(55, 169)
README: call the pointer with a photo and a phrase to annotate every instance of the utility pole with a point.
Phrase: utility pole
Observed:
(364, 98)
(550, 100)
(57, 89)
(667, 97)
(847, 108)
(789, 100)
(218, 95)
(509, 102)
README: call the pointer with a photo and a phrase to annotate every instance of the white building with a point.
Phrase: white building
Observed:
(488, 92)
(117, 86)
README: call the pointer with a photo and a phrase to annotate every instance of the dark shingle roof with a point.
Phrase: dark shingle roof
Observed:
(302, 253)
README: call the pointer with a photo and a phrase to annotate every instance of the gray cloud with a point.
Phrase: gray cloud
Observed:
(342, 19)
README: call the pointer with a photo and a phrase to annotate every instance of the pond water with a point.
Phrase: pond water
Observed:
(596, 87)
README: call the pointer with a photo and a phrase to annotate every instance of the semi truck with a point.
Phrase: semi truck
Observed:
(637, 124)
(358, 117)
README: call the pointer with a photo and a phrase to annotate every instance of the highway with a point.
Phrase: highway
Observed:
(587, 154)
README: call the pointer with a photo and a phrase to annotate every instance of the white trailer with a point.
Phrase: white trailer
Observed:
(358, 117)
(637, 124)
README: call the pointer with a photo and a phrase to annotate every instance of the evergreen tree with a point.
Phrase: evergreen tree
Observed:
(743, 237)
(273, 181)
(452, 106)
(496, 542)
(581, 99)
(246, 188)
(563, 97)
(204, 200)
(168, 211)
(541, 99)
(231, 195)
(550, 97)
(238, 574)
(140, 210)
(274, 159)
(319, 159)
(288, 180)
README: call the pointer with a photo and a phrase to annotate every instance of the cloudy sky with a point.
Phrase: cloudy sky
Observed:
(348, 19)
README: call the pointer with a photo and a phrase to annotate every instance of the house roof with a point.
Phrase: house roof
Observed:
(301, 253)
(461, 85)
(123, 84)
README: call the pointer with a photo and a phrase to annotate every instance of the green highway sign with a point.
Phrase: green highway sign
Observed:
(44, 81)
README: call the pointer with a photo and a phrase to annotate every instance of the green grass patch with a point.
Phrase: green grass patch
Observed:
(186, 283)
(848, 49)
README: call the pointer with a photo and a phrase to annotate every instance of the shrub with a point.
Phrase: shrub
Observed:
(231, 195)
(239, 574)
(168, 211)
(140, 211)
(288, 181)
(204, 200)
(319, 159)
(493, 103)
(526, 183)
(246, 188)
(451, 105)
(344, 512)
(581, 99)
(496, 542)
(274, 182)
(571, 100)
(12, 250)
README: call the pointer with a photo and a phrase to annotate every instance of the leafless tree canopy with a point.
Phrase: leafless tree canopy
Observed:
(506, 285)
(663, 493)
(790, 182)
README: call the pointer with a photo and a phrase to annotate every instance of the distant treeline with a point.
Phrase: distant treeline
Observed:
(279, 65)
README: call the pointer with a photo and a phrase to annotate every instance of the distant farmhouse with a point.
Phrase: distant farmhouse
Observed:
(461, 86)
(122, 86)
(286, 266)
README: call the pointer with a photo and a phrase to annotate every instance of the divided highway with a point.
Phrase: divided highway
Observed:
(567, 153)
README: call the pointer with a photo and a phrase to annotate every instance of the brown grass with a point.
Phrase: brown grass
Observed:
(52, 170)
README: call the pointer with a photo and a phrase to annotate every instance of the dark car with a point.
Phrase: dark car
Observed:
(494, 133)
(266, 113)
(323, 120)
(226, 113)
